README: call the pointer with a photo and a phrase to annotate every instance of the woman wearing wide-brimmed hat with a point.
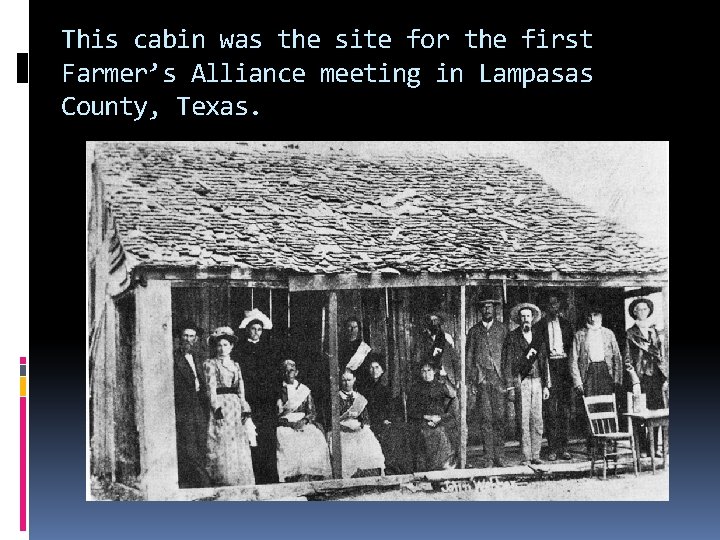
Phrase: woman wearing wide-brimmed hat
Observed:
(644, 354)
(229, 458)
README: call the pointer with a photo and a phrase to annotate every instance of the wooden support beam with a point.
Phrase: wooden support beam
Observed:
(463, 385)
(327, 282)
(231, 283)
(334, 384)
(154, 390)
(211, 273)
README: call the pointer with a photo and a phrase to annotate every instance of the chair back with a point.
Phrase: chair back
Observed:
(602, 414)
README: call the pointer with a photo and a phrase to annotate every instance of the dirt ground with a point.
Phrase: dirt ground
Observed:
(625, 487)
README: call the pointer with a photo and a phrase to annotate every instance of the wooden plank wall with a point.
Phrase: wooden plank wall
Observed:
(222, 305)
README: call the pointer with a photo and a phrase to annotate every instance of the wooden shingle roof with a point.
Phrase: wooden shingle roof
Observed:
(330, 212)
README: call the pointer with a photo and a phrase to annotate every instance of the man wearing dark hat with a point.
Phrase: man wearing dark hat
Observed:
(526, 352)
(490, 378)
(191, 410)
(438, 348)
(558, 335)
(644, 354)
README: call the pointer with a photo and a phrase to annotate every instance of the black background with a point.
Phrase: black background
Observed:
(637, 93)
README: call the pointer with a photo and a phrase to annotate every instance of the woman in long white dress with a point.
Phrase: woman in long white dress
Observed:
(229, 459)
(302, 452)
(361, 451)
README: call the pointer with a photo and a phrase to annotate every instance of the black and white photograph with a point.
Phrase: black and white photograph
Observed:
(377, 321)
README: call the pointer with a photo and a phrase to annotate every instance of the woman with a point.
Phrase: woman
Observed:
(430, 411)
(390, 431)
(361, 452)
(301, 447)
(259, 366)
(645, 356)
(230, 463)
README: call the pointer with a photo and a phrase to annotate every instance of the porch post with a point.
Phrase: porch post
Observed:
(463, 385)
(154, 390)
(334, 385)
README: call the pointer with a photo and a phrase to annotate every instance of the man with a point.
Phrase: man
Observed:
(644, 354)
(438, 348)
(491, 378)
(191, 410)
(558, 336)
(353, 353)
(526, 352)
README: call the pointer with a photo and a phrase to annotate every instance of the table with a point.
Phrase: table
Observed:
(652, 419)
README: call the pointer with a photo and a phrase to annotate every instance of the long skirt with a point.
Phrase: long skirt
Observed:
(302, 452)
(229, 458)
(598, 381)
(395, 443)
(360, 450)
(651, 386)
(431, 447)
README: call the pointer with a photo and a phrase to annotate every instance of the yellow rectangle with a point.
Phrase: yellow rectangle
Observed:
(23, 386)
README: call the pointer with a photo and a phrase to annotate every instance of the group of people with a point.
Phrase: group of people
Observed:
(543, 362)
(239, 424)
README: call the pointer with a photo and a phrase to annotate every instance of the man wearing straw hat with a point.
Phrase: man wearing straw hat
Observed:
(526, 352)
(490, 378)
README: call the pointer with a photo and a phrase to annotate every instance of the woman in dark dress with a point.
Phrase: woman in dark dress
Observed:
(430, 412)
(390, 430)
(259, 366)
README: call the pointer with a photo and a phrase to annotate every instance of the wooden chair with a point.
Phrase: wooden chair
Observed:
(606, 431)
